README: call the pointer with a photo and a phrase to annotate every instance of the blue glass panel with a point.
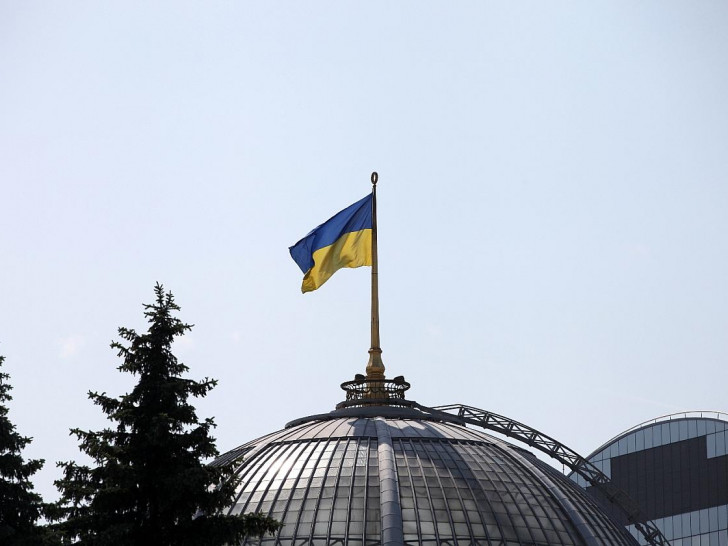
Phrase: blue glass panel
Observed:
(683, 426)
(720, 445)
(677, 531)
(704, 521)
(713, 518)
(648, 438)
(723, 517)
(675, 431)
(710, 443)
(693, 428)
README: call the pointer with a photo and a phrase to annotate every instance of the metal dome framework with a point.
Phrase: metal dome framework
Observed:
(361, 480)
(371, 434)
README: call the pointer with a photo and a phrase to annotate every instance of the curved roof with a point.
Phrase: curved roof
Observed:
(674, 427)
(392, 475)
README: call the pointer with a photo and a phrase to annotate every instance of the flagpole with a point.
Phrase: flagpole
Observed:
(375, 367)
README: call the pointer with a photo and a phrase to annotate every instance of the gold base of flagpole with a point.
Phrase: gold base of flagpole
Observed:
(376, 388)
(375, 366)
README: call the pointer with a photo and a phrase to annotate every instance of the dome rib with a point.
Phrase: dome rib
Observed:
(581, 526)
(391, 511)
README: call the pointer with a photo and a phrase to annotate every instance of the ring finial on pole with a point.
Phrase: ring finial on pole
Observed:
(375, 178)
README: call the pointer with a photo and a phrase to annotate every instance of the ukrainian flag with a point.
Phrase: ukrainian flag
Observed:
(345, 240)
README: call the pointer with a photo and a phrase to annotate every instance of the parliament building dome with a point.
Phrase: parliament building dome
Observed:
(384, 470)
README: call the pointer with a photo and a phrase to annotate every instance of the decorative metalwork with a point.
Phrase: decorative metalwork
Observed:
(565, 455)
(365, 391)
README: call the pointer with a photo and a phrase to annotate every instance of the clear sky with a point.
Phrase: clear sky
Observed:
(553, 199)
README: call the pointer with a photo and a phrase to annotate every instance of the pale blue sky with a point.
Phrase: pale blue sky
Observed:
(552, 204)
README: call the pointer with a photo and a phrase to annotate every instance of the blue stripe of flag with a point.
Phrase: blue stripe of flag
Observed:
(355, 217)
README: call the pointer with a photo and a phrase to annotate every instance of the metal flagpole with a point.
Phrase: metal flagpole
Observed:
(375, 367)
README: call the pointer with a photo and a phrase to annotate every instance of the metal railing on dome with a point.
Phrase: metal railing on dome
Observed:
(363, 391)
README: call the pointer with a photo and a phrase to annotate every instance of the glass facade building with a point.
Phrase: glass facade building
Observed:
(676, 468)
(394, 475)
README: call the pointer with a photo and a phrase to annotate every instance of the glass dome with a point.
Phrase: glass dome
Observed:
(395, 475)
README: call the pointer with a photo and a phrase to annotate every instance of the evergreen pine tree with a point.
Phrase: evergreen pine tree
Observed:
(20, 507)
(148, 484)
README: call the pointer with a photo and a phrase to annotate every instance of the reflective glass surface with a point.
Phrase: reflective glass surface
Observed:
(321, 480)
(678, 473)
(323, 490)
